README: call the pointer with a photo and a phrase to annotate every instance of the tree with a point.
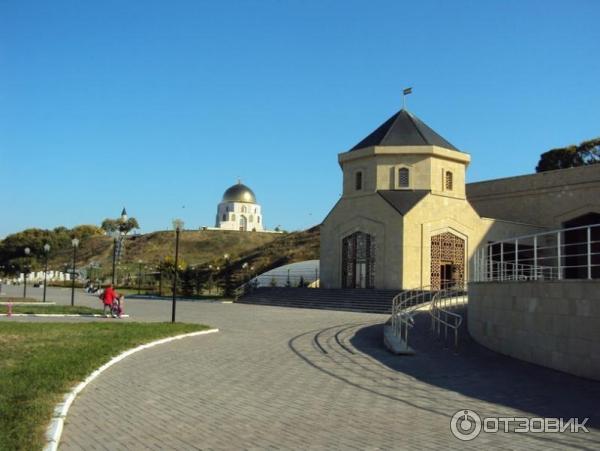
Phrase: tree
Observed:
(584, 154)
(113, 225)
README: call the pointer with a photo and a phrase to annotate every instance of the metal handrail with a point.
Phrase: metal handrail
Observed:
(442, 304)
(572, 253)
(404, 305)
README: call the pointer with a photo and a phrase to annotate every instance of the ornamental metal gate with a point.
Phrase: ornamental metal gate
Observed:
(447, 261)
(358, 261)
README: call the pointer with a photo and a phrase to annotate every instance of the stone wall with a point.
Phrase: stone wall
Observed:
(548, 198)
(551, 323)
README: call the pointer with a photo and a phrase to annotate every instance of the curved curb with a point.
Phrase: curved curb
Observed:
(61, 315)
(55, 428)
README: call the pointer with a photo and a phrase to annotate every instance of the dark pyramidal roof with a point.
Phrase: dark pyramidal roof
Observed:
(404, 129)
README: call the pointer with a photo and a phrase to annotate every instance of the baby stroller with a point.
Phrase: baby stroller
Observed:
(115, 309)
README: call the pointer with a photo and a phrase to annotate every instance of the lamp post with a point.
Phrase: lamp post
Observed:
(27, 252)
(139, 277)
(227, 276)
(46, 250)
(75, 243)
(245, 268)
(177, 225)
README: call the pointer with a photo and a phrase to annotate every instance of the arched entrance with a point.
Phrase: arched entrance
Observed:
(358, 261)
(243, 223)
(447, 261)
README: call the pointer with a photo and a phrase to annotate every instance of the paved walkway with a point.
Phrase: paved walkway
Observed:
(297, 379)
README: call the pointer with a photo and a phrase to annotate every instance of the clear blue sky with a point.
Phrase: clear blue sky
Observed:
(160, 105)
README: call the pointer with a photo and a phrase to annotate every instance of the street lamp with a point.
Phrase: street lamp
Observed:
(139, 277)
(27, 252)
(227, 276)
(75, 243)
(178, 226)
(245, 268)
(46, 250)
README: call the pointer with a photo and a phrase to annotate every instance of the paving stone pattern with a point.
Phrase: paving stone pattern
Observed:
(282, 378)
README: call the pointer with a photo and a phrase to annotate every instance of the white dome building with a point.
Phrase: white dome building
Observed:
(238, 210)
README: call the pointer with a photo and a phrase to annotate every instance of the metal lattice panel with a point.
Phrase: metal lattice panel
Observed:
(358, 249)
(447, 248)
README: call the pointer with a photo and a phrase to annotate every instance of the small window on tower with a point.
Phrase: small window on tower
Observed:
(403, 178)
(224, 217)
(448, 180)
(358, 181)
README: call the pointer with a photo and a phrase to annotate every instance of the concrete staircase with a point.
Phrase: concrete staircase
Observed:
(357, 300)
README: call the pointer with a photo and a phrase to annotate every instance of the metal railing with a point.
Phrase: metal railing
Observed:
(571, 253)
(443, 311)
(404, 305)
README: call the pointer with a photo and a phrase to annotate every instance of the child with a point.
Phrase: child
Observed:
(118, 306)
(108, 296)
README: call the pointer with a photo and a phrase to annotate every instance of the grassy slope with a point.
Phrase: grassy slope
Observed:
(261, 250)
(287, 248)
(196, 247)
(42, 361)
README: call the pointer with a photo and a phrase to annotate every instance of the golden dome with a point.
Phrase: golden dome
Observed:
(239, 193)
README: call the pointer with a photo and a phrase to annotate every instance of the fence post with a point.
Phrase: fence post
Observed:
(502, 260)
(559, 255)
(589, 252)
(490, 263)
(517, 258)
(535, 258)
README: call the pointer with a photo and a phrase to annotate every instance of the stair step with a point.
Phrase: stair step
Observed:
(373, 301)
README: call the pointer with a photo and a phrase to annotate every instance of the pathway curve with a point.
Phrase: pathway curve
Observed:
(297, 379)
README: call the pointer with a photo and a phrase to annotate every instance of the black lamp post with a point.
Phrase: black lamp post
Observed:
(139, 277)
(178, 226)
(227, 291)
(118, 240)
(114, 260)
(27, 252)
(160, 281)
(75, 243)
(46, 250)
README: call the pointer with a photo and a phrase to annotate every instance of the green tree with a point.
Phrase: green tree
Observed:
(586, 153)
(112, 225)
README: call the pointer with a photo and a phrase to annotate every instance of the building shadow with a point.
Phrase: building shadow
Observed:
(475, 371)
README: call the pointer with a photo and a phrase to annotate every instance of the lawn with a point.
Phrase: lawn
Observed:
(42, 361)
(17, 299)
(56, 309)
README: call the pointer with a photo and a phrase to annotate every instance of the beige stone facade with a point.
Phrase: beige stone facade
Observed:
(407, 220)
(548, 199)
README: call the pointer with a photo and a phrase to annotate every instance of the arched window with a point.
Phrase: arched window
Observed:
(244, 209)
(258, 219)
(449, 180)
(233, 216)
(224, 217)
(358, 180)
(403, 178)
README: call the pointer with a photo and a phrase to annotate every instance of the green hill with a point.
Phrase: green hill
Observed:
(198, 249)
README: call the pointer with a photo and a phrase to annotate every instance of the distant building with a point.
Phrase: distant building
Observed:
(238, 210)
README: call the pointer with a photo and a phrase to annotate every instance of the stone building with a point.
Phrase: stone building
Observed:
(406, 218)
(238, 210)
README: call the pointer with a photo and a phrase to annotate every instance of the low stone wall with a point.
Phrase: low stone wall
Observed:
(550, 323)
